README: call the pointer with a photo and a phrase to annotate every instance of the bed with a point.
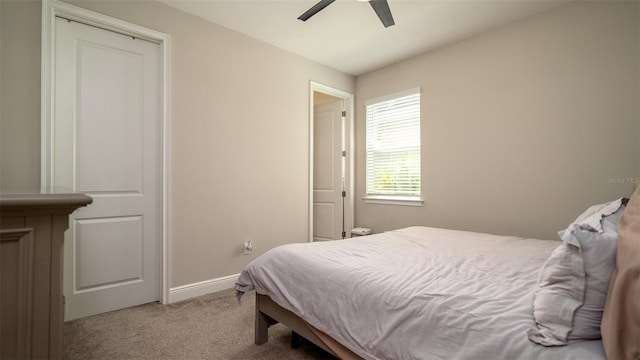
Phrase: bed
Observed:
(415, 293)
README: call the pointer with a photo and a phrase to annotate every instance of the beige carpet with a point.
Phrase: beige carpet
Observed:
(213, 326)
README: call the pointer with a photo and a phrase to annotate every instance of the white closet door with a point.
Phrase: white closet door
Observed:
(106, 143)
(328, 172)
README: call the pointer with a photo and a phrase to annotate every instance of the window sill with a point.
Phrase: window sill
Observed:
(390, 200)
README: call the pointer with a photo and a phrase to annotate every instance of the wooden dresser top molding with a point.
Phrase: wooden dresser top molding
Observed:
(47, 200)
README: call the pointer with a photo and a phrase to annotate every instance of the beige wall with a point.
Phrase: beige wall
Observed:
(522, 127)
(20, 93)
(239, 129)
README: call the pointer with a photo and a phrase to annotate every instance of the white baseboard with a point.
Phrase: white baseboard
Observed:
(188, 291)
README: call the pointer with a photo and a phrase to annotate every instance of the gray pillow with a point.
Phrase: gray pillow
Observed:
(559, 294)
(599, 257)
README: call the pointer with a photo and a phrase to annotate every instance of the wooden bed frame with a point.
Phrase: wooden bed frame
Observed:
(269, 313)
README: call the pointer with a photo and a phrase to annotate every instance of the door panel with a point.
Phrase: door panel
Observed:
(324, 221)
(327, 172)
(324, 150)
(107, 144)
(103, 242)
(105, 114)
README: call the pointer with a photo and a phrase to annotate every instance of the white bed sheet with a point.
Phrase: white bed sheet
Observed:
(416, 293)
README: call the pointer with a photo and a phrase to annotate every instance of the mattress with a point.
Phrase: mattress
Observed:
(416, 293)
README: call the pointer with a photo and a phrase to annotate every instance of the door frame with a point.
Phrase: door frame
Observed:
(53, 8)
(349, 145)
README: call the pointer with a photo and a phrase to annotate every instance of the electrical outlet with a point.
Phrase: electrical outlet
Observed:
(248, 247)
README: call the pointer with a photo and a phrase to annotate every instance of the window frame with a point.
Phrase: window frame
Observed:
(408, 200)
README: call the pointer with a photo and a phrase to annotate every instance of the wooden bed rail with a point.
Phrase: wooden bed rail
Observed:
(267, 311)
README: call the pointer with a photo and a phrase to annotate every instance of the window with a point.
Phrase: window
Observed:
(393, 148)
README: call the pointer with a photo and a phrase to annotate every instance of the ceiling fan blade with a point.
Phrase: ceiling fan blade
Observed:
(315, 9)
(381, 7)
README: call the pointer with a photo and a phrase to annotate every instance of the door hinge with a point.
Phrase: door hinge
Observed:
(344, 113)
(344, 193)
(344, 153)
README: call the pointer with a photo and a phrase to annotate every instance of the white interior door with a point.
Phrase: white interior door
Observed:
(328, 171)
(106, 143)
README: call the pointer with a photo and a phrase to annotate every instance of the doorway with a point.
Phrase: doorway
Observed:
(331, 159)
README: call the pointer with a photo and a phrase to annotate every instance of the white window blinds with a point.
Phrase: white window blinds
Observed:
(393, 146)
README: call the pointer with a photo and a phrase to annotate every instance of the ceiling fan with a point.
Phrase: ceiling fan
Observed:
(381, 7)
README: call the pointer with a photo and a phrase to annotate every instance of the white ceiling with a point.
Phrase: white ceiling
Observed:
(348, 36)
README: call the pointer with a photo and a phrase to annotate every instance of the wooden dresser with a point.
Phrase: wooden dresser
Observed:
(32, 226)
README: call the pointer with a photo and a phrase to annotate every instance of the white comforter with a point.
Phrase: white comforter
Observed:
(416, 293)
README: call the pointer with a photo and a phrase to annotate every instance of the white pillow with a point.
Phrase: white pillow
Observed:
(594, 214)
(572, 284)
(589, 212)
